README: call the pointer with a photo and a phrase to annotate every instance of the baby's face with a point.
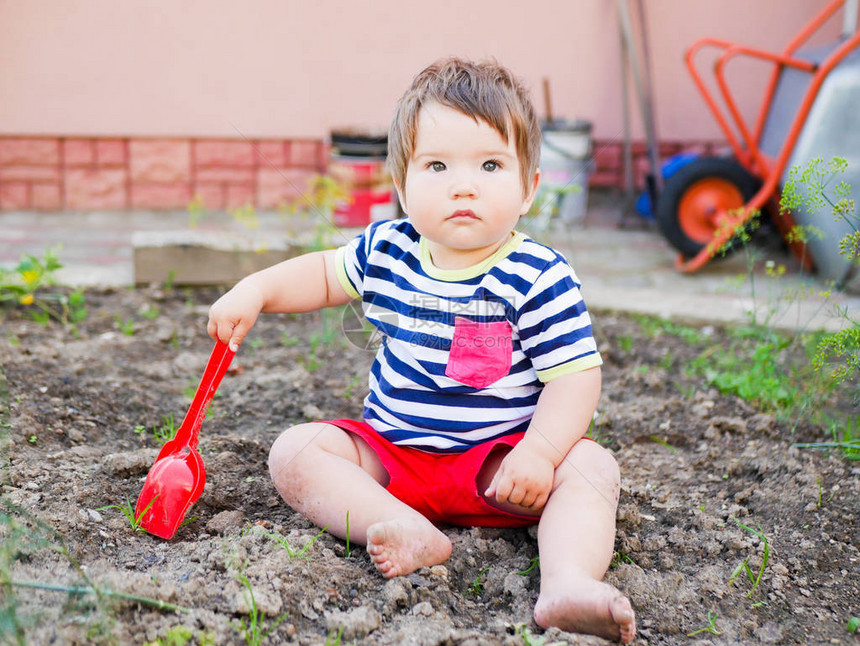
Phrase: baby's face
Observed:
(463, 190)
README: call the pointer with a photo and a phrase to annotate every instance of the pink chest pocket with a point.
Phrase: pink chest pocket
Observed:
(480, 352)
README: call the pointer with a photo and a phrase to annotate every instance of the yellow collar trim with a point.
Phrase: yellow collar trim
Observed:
(453, 275)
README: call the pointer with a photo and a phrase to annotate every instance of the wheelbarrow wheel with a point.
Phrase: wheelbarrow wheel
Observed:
(692, 199)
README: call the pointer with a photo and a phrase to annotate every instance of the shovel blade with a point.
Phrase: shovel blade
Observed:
(173, 484)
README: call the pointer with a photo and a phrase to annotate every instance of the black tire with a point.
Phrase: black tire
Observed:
(703, 187)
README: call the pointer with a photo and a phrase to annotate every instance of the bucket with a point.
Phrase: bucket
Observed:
(357, 162)
(565, 164)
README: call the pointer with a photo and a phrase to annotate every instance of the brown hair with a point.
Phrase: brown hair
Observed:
(483, 90)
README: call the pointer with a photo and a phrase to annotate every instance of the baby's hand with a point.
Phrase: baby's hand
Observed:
(523, 478)
(233, 315)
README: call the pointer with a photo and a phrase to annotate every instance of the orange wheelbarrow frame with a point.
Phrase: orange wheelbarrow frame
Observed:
(746, 149)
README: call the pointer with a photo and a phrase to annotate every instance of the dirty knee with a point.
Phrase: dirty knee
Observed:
(288, 447)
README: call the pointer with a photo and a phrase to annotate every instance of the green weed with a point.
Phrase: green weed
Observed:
(333, 638)
(853, 625)
(27, 284)
(656, 439)
(166, 431)
(252, 630)
(618, 558)
(127, 510)
(535, 562)
(126, 326)
(150, 312)
(710, 628)
(348, 551)
(530, 639)
(477, 586)
(743, 566)
(302, 553)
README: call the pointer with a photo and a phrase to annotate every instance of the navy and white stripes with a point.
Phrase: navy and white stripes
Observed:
(464, 352)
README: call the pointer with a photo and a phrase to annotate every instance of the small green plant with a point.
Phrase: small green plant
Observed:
(176, 636)
(477, 586)
(625, 342)
(27, 285)
(292, 553)
(252, 630)
(535, 562)
(348, 551)
(127, 510)
(126, 326)
(618, 558)
(196, 210)
(246, 215)
(662, 442)
(333, 638)
(853, 625)
(710, 628)
(743, 566)
(166, 431)
(150, 312)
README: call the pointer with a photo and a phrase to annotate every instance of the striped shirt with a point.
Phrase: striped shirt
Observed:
(464, 353)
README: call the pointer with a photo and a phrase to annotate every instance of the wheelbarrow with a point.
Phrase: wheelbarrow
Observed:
(809, 110)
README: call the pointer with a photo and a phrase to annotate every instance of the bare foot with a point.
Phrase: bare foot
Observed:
(583, 605)
(401, 546)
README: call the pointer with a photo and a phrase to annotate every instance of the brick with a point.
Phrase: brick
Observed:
(306, 154)
(281, 186)
(160, 196)
(271, 153)
(224, 153)
(212, 195)
(607, 155)
(47, 197)
(36, 152)
(29, 173)
(239, 195)
(110, 152)
(160, 161)
(232, 175)
(95, 189)
(605, 179)
(78, 152)
(14, 195)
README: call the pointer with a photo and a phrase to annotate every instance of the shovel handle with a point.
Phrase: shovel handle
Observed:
(216, 368)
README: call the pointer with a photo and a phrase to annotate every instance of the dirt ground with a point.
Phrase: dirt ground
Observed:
(694, 465)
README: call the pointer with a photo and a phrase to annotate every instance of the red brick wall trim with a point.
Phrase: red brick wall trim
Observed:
(118, 173)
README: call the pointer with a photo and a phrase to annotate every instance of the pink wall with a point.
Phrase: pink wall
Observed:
(285, 69)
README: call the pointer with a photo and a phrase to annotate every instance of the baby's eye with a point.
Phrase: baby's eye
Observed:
(491, 165)
(436, 166)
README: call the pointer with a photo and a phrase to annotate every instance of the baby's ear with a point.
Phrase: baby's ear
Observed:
(530, 197)
(401, 198)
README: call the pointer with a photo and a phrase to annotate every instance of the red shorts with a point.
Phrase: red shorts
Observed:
(441, 486)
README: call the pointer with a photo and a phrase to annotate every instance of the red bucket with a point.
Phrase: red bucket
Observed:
(371, 191)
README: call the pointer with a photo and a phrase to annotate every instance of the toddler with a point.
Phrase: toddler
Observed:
(487, 376)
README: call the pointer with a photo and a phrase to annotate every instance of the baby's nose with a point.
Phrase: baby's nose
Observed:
(463, 185)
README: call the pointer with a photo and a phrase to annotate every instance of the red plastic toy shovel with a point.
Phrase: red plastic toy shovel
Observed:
(176, 480)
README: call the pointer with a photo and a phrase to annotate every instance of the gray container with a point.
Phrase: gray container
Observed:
(832, 129)
(565, 164)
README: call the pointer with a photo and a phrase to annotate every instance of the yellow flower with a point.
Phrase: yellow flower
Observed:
(30, 277)
(26, 299)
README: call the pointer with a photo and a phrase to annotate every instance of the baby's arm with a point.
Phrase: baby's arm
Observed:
(302, 284)
(564, 411)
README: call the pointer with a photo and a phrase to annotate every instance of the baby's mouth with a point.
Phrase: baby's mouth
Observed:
(469, 215)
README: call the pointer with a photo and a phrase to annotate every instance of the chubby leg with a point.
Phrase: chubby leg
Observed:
(323, 472)
(576, 535)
